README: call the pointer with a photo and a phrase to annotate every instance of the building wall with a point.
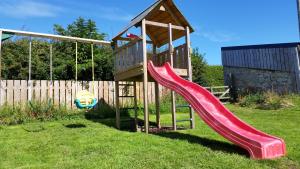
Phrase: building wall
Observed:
(249, 80)
(263, 67)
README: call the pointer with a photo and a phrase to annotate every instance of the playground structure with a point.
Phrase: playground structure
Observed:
(162, 24)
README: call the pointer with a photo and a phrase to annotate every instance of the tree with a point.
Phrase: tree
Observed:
(65, 64)
(199, 65)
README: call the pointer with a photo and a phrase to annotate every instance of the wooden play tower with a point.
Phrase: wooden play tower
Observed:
(161, 25)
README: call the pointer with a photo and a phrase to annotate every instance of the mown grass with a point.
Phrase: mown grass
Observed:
(82, 143)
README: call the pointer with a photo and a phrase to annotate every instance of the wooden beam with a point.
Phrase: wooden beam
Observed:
(135, 106)
(118, 125)
(190, 70)
(145, 79)
(173, 104)
(172, 15)
(0, 58)
(157, 101)
(130, 39)
(56, 37)
(1, 67)
(163, 25)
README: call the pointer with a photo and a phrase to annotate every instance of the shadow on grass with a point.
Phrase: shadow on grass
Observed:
(209, 143)
(75, 125)
(106, 114)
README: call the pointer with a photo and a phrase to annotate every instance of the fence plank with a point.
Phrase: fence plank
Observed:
(17, 92)
(62, 93)
(111, 93)
(3, 92)
(44, 90)
(69, 99)
(10, 92)
(56, 92)
(24, 90)
(105, 92)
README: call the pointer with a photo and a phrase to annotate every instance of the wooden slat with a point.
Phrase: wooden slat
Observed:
(23, 91)
(44, 90)
(73, 93)
(111, 93)
(105, 92)
(17, 92)
(100, 91)
(56, 92)
(62, 93)
(69, 99)
(3, 92)
(10, 92)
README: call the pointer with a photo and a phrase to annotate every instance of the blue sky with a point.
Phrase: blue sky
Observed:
(217, 23)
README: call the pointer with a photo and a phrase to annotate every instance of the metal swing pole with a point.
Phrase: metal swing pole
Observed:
(29, 72)
(51, 72)
(76, 71)
(93, 68)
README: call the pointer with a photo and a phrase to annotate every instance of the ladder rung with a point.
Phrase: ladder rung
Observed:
(126, 84)
(178, 121)
(183, 106)
(127, 96)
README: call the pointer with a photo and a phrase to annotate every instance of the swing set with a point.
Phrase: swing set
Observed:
(83, 99)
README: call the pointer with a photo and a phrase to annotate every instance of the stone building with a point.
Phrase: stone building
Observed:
(271, 67)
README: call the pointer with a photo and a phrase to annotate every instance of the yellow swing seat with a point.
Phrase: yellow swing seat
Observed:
(85, 100)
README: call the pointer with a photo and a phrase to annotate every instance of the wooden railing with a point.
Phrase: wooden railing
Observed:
(129, 55)
(179, 57)
(221, 92)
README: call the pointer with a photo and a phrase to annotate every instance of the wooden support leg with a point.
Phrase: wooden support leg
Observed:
(174, 125)
(135, 106)
(117, 105)
(192, 117)
(157, 105)
(146, 112)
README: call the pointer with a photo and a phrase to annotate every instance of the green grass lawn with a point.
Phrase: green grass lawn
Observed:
(82, 143)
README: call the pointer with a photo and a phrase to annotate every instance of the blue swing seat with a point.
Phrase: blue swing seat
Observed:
(85, 100)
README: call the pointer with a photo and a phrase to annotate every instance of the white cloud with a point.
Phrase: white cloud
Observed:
(28, 8)
(217, 36)
(114, 14)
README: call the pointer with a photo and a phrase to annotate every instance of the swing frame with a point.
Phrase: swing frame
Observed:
(58, 38)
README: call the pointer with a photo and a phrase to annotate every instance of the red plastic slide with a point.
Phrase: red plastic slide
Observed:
(260, 145)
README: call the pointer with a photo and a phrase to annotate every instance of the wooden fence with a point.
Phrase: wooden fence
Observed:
(14, 92)
(62, 93)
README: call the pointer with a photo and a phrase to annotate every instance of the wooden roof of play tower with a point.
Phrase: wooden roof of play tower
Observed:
(164, 12)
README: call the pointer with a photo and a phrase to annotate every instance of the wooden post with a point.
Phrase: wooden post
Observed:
(157, 102)
(145, 78)
(157, 105)
(29, 72)
(0, 66)
(173, 104)
(190, 71)
(118, 125)
(135, 106)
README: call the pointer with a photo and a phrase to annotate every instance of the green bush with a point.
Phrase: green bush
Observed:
(214, 76)
(33, 111)
(265, 101)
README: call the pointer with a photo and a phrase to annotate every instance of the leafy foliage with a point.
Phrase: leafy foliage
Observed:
(199, 65)
(214, 75)
(16, 53)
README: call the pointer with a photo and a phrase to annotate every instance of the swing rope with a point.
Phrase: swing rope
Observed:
(85, 99)
(93, 68)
